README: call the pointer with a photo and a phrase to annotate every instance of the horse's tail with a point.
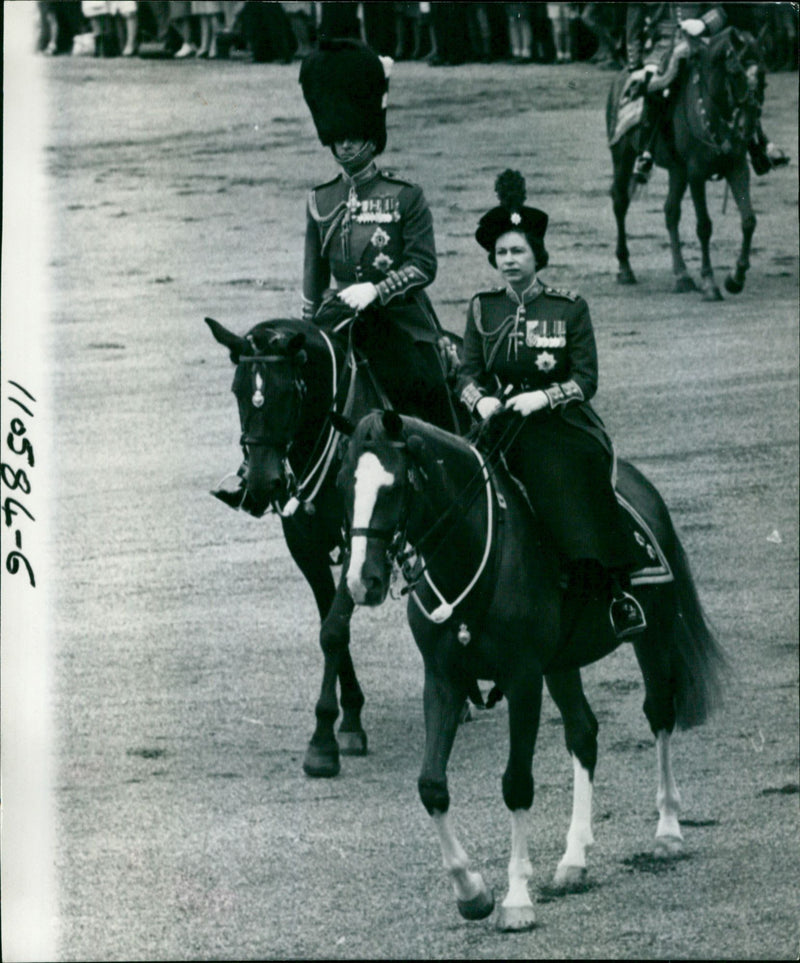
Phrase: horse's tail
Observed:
(700, 664)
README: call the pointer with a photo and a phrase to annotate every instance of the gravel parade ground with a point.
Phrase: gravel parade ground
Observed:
(167, 662)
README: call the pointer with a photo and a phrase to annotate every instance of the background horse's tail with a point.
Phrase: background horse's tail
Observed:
(700, 662)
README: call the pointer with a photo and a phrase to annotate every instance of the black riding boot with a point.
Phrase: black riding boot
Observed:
(656, 107)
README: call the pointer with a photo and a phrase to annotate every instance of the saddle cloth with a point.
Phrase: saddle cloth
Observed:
(653, 567)
(627, 107)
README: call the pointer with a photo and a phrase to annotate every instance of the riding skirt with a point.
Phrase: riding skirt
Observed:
(566, 472)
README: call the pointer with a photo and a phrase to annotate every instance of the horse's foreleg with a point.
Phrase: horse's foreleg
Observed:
(739, 183)
(580, 730)
(672, 217)
(443, 703)
(352, 738)
(620, 199)
(322, 755)
(710, 290)
(524, 707)
(669, 838)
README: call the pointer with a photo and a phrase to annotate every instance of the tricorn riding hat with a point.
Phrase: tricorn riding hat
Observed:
(511, 214)
(345, 85)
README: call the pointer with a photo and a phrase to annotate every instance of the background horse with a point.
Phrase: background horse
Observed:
(714, 114)
(290, 375)
(487, 604)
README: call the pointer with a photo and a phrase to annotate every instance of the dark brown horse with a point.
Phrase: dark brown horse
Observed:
(487, 604)
(290, 376)
(711, 122)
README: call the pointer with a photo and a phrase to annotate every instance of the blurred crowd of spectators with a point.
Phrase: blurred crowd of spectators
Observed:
(443, 34)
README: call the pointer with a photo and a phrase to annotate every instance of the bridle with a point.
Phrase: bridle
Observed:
(302, 488)
(400, 554)
(742, 88)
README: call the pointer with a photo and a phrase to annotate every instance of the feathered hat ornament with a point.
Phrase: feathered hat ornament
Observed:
(511, 214)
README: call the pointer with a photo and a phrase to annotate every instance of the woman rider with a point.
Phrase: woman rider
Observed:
(369, 246)
(535, 346)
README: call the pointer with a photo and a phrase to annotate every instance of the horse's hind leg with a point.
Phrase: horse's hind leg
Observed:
(580, 730)
(659, 708)
(623, 158)
(704, 228)
(672, 216)
(739, 183)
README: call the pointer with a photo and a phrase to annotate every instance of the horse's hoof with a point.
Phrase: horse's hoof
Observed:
(516, 919)
(321, 763)
(712, 293)
(667, 846)
(477, 908)
(732, 286)
(626, 276)
(684, 284)
(569, 879)
(352, 743)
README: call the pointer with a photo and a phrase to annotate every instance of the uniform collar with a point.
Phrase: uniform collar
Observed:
(369, 173)
(533, 290)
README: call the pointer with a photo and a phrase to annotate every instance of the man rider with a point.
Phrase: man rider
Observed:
(666, 26)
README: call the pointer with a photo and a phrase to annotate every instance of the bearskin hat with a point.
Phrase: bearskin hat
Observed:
(511, 214)
(345, 85)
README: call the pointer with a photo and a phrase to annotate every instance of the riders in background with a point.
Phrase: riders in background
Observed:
(369, 248)
(656, 40)
(535, 346)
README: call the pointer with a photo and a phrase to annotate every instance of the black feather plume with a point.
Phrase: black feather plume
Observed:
(510, 188)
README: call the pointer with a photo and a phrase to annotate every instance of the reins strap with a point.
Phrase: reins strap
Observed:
(445, 609)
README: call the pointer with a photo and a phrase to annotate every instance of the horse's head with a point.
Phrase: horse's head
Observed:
(269, 390)
(737, 70)
(377, 478)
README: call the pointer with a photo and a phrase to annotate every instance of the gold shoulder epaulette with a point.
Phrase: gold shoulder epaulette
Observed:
(391, 176)
(561, 293)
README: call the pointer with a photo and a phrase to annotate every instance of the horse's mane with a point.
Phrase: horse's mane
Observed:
(275, 334)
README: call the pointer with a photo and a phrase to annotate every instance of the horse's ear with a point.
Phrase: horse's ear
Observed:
(236, 345)
(393, 425)
(343, 425)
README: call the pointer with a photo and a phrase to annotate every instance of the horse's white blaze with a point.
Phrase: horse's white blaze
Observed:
(519, 865)
(466, 884)
(579, 834)
(668, 799)
(370, 476)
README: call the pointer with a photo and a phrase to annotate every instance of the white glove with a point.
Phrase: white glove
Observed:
(486, 407)
(528, 401)
(693, 27)
(359, 296)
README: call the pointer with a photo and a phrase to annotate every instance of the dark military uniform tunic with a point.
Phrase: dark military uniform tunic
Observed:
(563, 455)
(658, 24)
(377, 227)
